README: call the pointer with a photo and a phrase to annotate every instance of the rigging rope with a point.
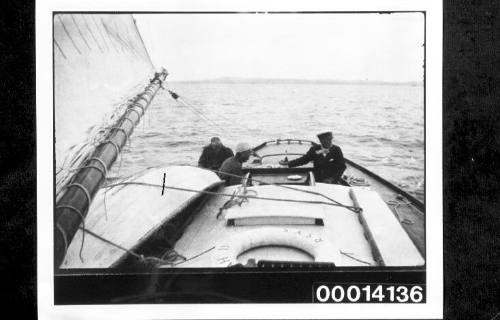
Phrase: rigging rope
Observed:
(171, 255)
(79, 153)
(351, 208)
(221, 193)
(195, 256)
(204, 116)
(399, 201)
(354, 258)
(244, 197)
(193, 104)
(232, 202)
(198, 112)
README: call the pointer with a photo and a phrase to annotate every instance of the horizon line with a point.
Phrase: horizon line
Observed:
(296, 80)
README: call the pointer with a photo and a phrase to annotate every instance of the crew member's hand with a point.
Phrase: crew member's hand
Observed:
(328, 180)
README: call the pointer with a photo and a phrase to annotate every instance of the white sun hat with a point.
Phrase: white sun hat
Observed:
(242, 147)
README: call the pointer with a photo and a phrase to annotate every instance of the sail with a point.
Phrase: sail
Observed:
(100, 62)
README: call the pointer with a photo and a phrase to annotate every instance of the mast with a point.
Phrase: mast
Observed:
(73, 206)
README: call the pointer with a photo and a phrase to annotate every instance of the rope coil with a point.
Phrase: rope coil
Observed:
(395, 203)
(238, 201)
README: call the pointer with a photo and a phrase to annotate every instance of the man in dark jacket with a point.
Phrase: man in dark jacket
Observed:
(214, 155)
(329, 163)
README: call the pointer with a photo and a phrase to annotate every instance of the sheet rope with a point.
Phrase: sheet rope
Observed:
(147, 184)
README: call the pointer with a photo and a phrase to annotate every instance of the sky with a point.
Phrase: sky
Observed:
(372, 47)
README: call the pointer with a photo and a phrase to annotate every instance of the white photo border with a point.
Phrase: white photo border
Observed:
(433, 308)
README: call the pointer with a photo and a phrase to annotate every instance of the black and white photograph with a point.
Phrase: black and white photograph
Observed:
(244, 157)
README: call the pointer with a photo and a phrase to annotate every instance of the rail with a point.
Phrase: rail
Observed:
(414, 201)
(279, 141)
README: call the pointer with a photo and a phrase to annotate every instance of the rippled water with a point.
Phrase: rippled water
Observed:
(380, 127)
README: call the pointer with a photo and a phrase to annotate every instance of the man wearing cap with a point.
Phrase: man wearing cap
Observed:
(214, 155)
(328, 160)
(234, 164)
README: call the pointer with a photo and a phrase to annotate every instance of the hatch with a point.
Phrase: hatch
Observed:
(297, 208)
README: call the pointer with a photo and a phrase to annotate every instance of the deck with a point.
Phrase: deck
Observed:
(341, 227)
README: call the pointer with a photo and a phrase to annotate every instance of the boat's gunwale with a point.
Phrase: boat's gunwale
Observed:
(420, 205)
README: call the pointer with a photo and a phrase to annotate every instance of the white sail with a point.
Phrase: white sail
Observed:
(100, 62)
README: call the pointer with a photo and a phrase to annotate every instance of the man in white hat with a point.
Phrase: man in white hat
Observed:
(234, 164)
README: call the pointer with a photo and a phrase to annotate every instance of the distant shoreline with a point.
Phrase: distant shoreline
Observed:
(297, 81)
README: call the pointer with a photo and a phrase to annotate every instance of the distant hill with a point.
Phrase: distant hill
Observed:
(229, 80)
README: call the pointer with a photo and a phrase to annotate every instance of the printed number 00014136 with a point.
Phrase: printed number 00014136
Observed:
(344, 293)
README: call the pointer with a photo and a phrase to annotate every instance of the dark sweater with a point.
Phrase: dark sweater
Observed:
(330, 166)
(212, 159)
(231, 166)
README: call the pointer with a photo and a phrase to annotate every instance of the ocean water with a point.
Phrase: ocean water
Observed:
(381, 127)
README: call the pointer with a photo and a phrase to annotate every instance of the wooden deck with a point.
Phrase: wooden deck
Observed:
(411, 217)
(131, 213)
(341, 227)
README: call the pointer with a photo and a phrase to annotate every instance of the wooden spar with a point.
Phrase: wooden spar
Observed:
(73, 206)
